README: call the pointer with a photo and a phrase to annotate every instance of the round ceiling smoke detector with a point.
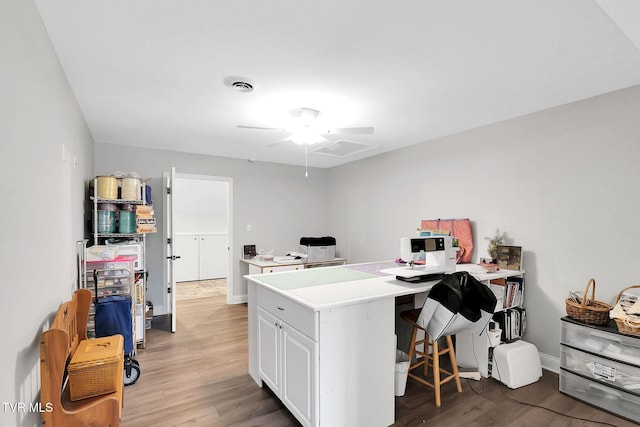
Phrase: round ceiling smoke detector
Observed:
(239, 84)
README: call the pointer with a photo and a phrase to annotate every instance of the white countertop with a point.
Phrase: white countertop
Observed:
(372, 287)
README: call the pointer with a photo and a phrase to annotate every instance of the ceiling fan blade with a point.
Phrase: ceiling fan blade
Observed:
(278, 142)
(259, 128)
(353, 131)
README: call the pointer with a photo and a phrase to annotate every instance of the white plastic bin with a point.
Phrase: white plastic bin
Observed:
(516, 364)
(402, 371)
(494, 336)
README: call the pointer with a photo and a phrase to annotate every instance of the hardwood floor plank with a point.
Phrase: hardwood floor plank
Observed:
(198, 377)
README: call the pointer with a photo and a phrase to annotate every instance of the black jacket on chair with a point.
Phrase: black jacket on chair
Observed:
(459, 301)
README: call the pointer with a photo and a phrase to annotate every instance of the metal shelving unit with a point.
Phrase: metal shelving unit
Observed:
(138, 275)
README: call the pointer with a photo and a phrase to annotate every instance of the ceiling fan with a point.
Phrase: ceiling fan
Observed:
(306, 131)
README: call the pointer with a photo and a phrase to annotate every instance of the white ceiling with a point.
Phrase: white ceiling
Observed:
(150, 73)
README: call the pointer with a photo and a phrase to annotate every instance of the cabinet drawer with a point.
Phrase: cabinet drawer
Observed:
(610, 399)
(603, 370)
(615, 346)
(282, 268)
(296, 315)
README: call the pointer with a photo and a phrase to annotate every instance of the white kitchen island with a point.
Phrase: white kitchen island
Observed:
(323, 340)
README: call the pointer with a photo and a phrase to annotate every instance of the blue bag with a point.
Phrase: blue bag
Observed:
(113, 316)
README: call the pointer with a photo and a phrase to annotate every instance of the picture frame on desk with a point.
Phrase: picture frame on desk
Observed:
(509, 257)
(248, 251)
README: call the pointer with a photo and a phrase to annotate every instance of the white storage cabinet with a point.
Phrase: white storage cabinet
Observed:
(288, 353)
(308, 359)
(202, 257)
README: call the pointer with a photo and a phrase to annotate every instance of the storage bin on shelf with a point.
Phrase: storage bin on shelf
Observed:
(627, 320)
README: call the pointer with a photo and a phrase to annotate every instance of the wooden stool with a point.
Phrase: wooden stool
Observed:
(433, 359)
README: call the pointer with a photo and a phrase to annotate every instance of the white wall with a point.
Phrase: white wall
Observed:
(279, 203)
(563, 183)
(42, 198)
(200, 206)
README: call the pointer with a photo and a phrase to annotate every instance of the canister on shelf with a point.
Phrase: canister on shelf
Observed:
(131, 187)
(106, 219)
(126, 222)
(107, 187)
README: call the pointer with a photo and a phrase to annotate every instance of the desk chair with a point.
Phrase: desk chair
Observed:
(457, 302)
(431, 358)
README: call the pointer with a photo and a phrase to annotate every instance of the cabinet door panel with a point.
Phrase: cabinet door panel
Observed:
(186, 268)
(213, 256)
(299, 362)
(269, 349)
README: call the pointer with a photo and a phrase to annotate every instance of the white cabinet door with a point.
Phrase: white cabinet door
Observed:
(186, 267)
(213, 256)
(299, 362)
(269, 349)
(288, 363)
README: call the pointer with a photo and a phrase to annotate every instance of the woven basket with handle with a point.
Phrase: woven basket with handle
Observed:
(589, 311)
(628, 325)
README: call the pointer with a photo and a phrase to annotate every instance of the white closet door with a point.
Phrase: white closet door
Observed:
(213, 256)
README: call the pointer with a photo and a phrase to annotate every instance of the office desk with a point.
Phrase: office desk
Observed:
(255, 266)
(324, 341)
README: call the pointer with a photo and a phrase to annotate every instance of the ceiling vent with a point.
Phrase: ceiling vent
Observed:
(239, 84)
(344, 148)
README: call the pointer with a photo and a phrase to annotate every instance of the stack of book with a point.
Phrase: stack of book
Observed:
(509, 292)
(513, 322)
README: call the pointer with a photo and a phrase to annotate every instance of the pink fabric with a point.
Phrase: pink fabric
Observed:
(460, 229)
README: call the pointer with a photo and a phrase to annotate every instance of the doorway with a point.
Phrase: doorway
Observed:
(199, 231)
(201, 236)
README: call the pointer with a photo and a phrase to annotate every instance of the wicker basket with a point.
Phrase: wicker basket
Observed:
(95, 367)
(589, 311)
(628, 326)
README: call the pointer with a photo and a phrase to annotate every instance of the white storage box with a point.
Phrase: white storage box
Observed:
(318, 248)
(516, 364)
(134, 249)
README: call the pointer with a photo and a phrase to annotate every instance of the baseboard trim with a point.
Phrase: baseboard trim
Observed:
(550, 363)
(237, 299)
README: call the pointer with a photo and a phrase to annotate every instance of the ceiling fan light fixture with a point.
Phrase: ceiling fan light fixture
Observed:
(304, 116)
(306, 138)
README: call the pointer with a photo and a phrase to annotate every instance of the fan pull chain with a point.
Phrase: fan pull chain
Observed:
(306, 162)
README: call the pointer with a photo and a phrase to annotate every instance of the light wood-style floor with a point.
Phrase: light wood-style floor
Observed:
(198, 377)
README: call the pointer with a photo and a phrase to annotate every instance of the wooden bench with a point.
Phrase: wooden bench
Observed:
(57, 346)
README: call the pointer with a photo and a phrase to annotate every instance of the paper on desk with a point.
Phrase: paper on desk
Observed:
(286, 259)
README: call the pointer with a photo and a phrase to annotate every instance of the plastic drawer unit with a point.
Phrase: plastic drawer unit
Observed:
(601, 367)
